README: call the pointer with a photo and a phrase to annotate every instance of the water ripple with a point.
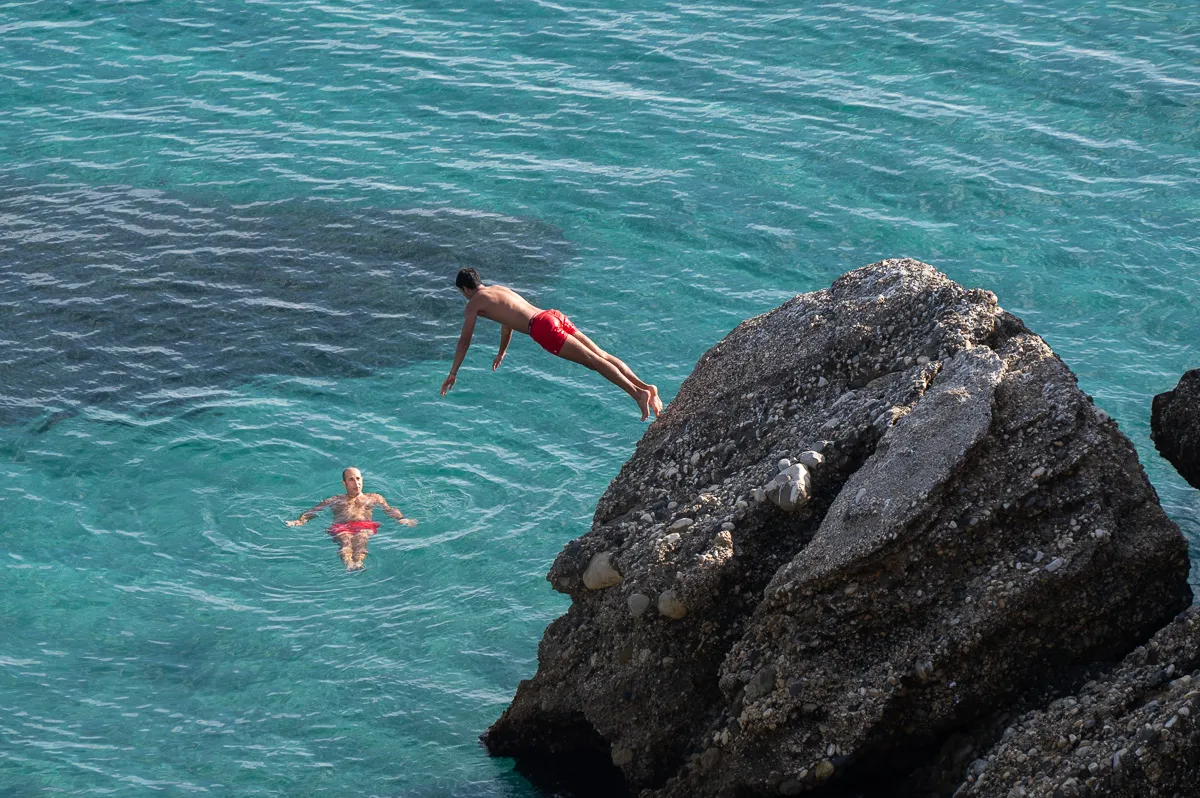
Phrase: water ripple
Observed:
(227, 238)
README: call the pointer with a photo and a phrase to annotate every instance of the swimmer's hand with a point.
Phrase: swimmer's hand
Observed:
(408, 522)
(499, 359)
(448, 383)
(300, 522)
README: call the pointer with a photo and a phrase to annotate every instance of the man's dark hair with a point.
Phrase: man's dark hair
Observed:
(468, 278)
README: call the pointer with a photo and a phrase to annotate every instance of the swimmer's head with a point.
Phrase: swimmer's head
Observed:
(352, 479)
(468, 280)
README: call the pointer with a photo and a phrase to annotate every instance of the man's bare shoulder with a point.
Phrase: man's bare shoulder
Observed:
(492, 294)
(507, 297)
(376, 498)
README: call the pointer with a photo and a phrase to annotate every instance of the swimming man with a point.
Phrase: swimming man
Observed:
(352, 524)
(551, 329)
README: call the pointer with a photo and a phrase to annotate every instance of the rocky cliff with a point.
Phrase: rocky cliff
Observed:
(870, 520)
(1130, 731)
(1175, 426)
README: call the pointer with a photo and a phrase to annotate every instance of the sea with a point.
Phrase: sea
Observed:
(228, 238)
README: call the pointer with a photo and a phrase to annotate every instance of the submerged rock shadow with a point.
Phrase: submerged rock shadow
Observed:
(116, 296)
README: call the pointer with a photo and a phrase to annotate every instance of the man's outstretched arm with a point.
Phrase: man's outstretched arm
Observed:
(505, 337)
(309, 515)
(460, 352)
(393, 512)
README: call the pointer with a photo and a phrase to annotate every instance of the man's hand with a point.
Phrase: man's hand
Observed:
(300, 522)
(499, 359)
(448, 383)
(408, 522)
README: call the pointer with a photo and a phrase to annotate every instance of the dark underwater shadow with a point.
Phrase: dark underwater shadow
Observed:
(116, 296)
(579, 775)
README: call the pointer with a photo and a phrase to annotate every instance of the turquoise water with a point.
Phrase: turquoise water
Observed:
(227, 235)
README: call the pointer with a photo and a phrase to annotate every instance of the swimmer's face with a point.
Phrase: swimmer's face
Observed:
(352, 479)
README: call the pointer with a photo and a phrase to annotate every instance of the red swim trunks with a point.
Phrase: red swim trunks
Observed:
(353, 528)
(550, 329)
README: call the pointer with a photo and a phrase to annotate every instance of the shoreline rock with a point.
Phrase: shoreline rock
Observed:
(972, 530)
(1175, 426)
(1132, 730)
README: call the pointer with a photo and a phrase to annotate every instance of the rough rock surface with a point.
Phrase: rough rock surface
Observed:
(1132, 731)
(972, 528)
(1175, 426)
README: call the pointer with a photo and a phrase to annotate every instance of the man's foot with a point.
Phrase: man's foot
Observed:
(644, 399)
(655, 403)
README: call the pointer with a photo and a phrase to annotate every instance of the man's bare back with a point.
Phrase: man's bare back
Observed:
(553, 331)
(352, 524)
(503, 305)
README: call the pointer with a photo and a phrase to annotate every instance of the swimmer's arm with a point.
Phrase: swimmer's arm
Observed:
(393, 512)
(505, 337)
(309, 515)
(464, 343)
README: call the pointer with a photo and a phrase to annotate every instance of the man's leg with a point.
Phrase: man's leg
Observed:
(346, 552)
(575, 351)
(655, 403)
(359, 544)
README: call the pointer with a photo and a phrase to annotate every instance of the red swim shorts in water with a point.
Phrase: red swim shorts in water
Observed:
(550, 329)
(353, 528)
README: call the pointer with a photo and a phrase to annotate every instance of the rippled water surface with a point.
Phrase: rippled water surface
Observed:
(227, 235)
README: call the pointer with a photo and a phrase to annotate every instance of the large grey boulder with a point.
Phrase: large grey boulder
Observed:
(1175, 426)
(972, 526)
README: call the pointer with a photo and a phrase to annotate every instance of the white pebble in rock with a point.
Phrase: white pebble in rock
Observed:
(822, 382)
(1055, 564)
(740, 504)
(670, 605)
(672, 505)
(647, 518)
(600, 572)
(784, 464)
(638, 604)
(811, 459)
(727, 526)
(672, 538)
(760, 495)
(791, 489)
(680, 524)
